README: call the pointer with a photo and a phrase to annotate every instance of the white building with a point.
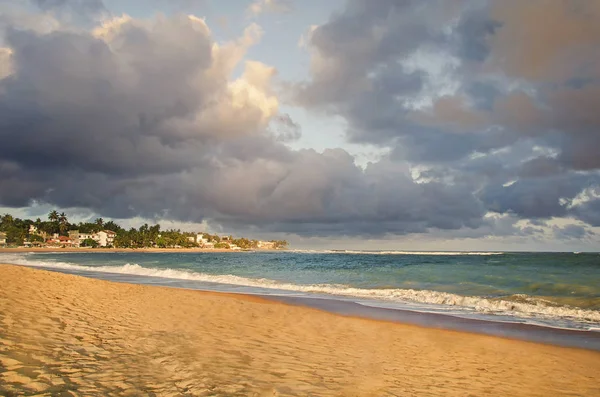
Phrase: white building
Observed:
(200, 239)
(2, 238)
(86, 236)
(266, 244)
(105, 238)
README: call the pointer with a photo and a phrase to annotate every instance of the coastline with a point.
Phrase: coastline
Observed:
(123, 250)
(64, 333)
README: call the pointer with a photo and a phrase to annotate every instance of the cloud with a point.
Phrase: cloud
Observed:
(153, 118)
(261, 6)
(77, 5)
(572, 232)
(447, 86)
(143, 118)
(562, 44)
(73, 10)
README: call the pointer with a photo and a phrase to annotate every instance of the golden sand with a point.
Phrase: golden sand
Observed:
(63, 335)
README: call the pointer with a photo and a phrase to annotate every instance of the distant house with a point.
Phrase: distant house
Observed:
(74, 236)
(208, 245)
(200, 239)
(266, 245)
(66, 241)
(105, 238)
(2, 238)
(191, 239)
(34, 231)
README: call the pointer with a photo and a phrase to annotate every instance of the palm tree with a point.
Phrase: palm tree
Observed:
(99, 222)
(53, 216)
(7, 219)
(63, 223)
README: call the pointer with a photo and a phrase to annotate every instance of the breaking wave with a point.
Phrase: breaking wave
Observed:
(438, 253)
(517, 305)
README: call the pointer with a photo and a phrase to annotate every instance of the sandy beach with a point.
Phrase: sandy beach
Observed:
(73, 336)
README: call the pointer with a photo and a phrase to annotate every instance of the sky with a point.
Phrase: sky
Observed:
(349, 124)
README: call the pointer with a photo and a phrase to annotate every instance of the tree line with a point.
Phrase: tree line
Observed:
(146, 236)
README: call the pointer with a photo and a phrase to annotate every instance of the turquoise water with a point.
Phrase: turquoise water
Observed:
(557, 289)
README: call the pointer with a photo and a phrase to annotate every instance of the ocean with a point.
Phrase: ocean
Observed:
(557, 290)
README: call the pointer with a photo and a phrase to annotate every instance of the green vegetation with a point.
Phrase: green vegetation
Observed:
(88, 242)
(18, 231)
(280, 244)
(36, 239)
(244, 243)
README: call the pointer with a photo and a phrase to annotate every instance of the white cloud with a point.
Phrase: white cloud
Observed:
(305, 37)
(5, 62)
(262, 6)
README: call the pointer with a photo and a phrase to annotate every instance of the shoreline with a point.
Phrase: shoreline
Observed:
(584, 335)
(128, 250)
(347, 306)
(60, 332)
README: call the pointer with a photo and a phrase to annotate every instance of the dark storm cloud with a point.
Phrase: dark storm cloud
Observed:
(544, 197)
(517, 77)
(540, 167)
(589, 211)
(483, 94)
(473, 31)
(571, 232)
(72, 103)
(126, 123)
(143, 118)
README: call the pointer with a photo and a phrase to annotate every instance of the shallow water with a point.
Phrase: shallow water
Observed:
(550, 289)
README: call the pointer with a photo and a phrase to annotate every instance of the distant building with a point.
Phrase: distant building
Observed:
(266, 245)
(200, 239)
(191, 239)
(74, 236)
(87, 236)
(105, 238)
(62, 241)
(34, 231)
(2, 238)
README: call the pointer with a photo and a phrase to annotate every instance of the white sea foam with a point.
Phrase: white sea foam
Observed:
(438, 253)
(527, 306)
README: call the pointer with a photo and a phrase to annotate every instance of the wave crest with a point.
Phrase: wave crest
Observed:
(434, 253)
(523, 306)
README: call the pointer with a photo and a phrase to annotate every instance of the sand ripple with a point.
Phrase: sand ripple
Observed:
(62, 335)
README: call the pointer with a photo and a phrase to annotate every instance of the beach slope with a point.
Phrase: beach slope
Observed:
(72, 336)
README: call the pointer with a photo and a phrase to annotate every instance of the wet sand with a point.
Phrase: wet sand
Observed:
(67, 335)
